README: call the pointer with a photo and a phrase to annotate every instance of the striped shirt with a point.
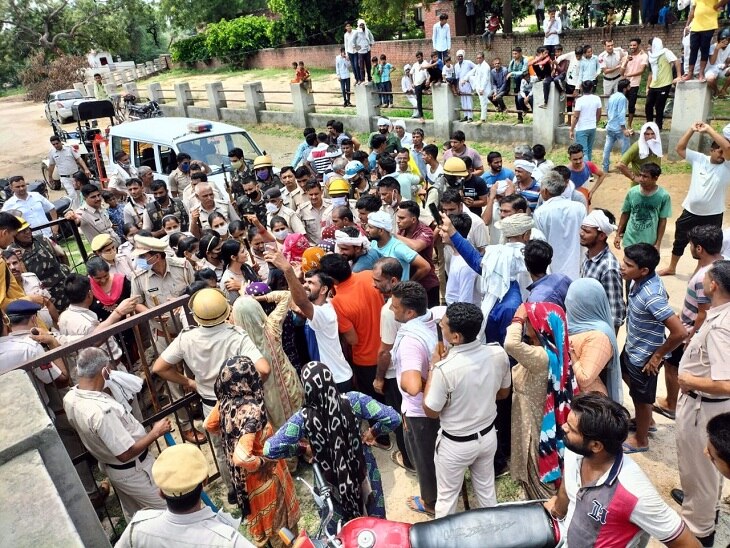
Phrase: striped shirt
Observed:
(531, 193)
(604, 267)
(694, 297)
(647, 311)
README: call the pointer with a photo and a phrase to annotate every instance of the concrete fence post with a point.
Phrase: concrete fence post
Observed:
(154, 92)
(216, 99)
(692, 103)
(546, 120)
(89, 90)
(303, 103)
(253, 93)
(110, 89)
(366, 107)
(131, 88)
(183, 96)
(80, 87)
(445, 104)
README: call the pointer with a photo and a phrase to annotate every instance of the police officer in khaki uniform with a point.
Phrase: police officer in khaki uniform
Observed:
(112, 435)
(180, 472)
(207, 204)
(204, 350)
(91, 219)
(315, 213)
(103, 246)
(159, 279)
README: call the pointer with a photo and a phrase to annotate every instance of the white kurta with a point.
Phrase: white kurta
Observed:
(461, 71)
(560, 220)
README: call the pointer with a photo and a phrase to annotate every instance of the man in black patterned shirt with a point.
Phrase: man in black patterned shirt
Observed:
(599, 263)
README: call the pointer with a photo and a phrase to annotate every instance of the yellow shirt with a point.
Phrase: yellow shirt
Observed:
(705, 17)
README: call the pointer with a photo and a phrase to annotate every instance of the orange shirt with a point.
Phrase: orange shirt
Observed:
(358, 305)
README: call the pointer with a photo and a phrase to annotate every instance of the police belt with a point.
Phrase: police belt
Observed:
(471, 437)
(612, 79)
(209, 403)
(694, 395)
(131, 464)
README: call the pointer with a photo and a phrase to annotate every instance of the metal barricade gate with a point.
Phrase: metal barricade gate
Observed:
(155, 399)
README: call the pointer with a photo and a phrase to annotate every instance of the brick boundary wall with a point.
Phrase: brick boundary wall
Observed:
(400, 52)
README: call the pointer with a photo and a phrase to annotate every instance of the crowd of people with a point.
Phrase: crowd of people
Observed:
(396, 296)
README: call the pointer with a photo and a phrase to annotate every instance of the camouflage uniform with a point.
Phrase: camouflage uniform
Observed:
(40, 259)
(155, 213)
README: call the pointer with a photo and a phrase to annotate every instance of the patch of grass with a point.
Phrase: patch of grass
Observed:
(12, 92)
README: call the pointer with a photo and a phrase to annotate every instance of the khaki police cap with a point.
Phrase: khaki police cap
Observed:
(180, 469)
(209, 307)
(100, 241)
(145, 244)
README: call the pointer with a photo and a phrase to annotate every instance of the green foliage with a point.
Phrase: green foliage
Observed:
(393, 20)
(188, 14)
(227, 40)
(311, 21)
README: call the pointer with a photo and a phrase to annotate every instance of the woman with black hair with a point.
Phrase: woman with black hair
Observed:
(237, 272)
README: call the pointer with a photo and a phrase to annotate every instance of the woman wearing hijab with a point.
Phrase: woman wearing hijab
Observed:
(282, 390)
(331, 423)
(593, 347)
(543, 386)
(263, 487)
(647, 149)
(660, 80)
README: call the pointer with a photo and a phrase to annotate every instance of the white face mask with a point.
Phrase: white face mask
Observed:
(170, 231)
(271, 208)
(339, 201)
(281, 234)
(222, 230)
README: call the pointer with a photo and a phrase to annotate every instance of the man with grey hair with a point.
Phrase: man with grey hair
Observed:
(112, 435)
(524, 152)
(146, 175)
(560, 219)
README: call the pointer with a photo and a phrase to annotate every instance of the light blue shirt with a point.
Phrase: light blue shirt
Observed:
(397, 249)
(441, 37)
(342, 67)
(616, 111)
(385, 72)
(588, 69)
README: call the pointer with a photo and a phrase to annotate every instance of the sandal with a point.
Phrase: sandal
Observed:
(415, 504)
(663, 411)
(630, 449)
(397, 458)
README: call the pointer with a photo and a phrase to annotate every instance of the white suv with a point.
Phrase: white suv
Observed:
(59, 104)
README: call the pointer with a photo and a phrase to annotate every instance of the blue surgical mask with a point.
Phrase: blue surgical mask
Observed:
(185, 167)
(142, 264)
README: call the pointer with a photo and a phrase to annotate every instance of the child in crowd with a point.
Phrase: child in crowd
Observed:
(491, 26)
(116, 212)
(375, 73)
(449, 74)
(302, 76)
(645, 210)
(524, 102)
(386, 69)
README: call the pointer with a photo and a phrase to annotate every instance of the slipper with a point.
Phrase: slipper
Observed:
(397, 457)
(629, 449)
(415, 504)
(662, 411)
(632, 427)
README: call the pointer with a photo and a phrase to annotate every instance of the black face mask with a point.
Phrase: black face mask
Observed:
(454, 181)
(162, 200)
(253, 195)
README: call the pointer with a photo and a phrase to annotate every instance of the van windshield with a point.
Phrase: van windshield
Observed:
(213, 150)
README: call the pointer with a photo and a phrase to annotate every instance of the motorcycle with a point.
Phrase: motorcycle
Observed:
(141, 111)
(510, 525)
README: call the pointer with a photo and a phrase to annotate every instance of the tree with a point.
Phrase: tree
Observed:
(311, 21)
(389, 20)
(188, 14)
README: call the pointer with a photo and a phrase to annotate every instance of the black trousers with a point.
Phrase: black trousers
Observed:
(394, 398)
(656, 100)
(364, 375)
(421, 434)
(632, 96)
(503, 424)
(699, 43)
(419, 99)
(686, 222)
(345, 88)
(365, 67)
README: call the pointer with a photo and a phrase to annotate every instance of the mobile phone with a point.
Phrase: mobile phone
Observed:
(270, 247)
(436, 214)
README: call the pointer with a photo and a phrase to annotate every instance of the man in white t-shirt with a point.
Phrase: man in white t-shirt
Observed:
(311, 300)
(387, 271)
(717, 64)
(586, 114)
(705, 201)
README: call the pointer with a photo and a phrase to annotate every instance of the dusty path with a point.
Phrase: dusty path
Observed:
(24, 142)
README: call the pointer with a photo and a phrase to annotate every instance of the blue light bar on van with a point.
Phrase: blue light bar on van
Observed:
(199, 127)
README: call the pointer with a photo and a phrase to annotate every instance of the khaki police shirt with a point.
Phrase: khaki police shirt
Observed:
(177, 276)
(315, 220)
(294, 199)
(78, 323)
(163, 529)
(291, 218)
(705, 353)
(95, 222)
(224, 208)
(205, 350)
(178, 181)
(134, 211)
(104, 426)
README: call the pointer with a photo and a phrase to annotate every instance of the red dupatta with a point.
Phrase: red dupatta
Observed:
(111, 298)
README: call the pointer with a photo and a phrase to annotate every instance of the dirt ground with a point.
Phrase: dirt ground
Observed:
(24, 142)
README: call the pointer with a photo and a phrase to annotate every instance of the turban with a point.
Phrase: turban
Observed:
(383, 122)
(342, 238)
(597, 219)
(460, 52)
(515, 225)
(380, 219)
(524, 164)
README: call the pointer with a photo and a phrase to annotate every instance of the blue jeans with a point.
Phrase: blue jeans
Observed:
(355, 64)
(612, 137)
(586, 137)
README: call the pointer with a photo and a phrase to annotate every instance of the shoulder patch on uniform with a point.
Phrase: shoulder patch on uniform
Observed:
(144, 515)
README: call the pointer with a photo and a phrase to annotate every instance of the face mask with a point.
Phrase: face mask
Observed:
(281, 234)
(339, 201)
(172, 231)
(237, 164)
(222, 230)
(161, 199)
(253, 195)
(124, 166)
(109, 256)
(262, 174)
(184, 168)
(193, 257)
(271, 208)
(142, 264)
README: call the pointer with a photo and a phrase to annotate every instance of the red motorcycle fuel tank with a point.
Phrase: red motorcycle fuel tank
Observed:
(369, 532)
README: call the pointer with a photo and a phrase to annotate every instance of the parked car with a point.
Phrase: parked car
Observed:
(155, 142)
(60, 103)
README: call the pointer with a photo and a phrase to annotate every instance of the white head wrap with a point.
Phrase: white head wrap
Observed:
(380, 219)
(383, 122)
(597, 219)
(399, 123)
(406, 67)
(460, 52)
(524, 164)
(342, 238)
(655, 145)
(515, 225)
